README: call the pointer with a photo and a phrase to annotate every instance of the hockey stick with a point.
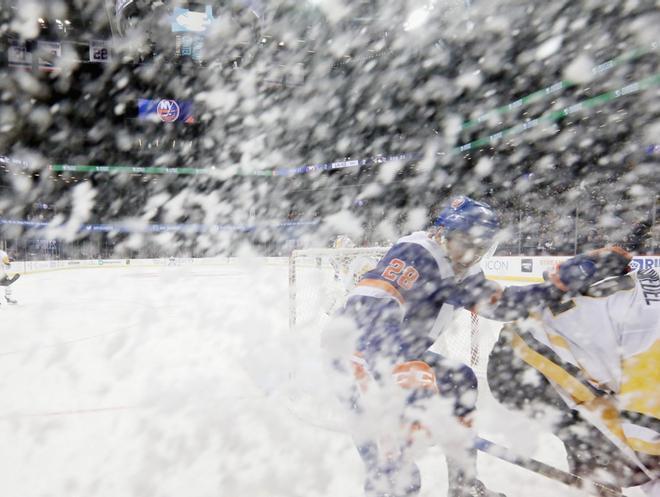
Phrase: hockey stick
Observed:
(499, 452)
(8, 281)
(543, 469)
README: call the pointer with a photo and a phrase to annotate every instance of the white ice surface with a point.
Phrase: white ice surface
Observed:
(184, 381)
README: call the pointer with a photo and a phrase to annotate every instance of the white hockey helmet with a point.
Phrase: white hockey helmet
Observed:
(342, 241)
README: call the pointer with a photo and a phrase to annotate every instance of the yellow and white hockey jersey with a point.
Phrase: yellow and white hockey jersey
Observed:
(4, 262)
(602, 353)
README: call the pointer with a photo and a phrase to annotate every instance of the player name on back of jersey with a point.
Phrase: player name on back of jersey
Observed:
(650, 283)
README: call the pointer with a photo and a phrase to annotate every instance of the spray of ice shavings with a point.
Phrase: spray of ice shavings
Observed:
(25, 23)
(82, 204)
(344, 222)
(580, 70)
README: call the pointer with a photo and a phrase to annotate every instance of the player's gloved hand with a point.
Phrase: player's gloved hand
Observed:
(477, 292)
(578, 273)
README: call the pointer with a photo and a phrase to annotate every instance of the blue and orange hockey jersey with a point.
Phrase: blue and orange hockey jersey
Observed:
(402, 306)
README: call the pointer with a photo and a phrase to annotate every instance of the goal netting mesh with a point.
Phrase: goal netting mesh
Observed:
(320, 279)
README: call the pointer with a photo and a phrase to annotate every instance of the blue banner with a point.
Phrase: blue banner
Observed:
(160, 228)
(166, 110)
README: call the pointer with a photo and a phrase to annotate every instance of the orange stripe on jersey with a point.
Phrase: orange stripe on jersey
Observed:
(383, 285)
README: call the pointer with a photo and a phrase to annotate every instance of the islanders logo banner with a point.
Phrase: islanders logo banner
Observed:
(166, 110)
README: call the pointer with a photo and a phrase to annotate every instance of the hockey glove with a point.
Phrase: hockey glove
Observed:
(578, 273)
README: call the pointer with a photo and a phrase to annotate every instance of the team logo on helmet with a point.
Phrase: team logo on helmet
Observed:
(457, 202)
(168, 110)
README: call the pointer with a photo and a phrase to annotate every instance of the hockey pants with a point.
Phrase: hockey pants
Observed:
(394, 473)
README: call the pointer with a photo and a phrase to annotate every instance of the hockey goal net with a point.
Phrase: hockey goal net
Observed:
(320, 279)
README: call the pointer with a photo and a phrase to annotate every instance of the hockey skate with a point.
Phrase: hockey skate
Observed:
(478, 489)
(11, 300)
(473, 488)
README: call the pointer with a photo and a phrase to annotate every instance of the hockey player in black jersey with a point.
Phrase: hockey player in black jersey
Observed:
(587, 369)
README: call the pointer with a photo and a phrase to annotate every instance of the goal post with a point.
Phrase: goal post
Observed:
(316, 275)
(320, 279)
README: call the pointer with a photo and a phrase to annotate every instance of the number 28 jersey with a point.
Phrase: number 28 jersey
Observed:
(403, 305)
(406, 301)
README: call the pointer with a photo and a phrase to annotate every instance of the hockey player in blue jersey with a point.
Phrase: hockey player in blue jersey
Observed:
(378, 345)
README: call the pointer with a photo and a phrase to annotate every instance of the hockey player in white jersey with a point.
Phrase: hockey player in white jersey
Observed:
(345, 268)
(348, 269)
(589, 366)
(5, 279)
(403, 396)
